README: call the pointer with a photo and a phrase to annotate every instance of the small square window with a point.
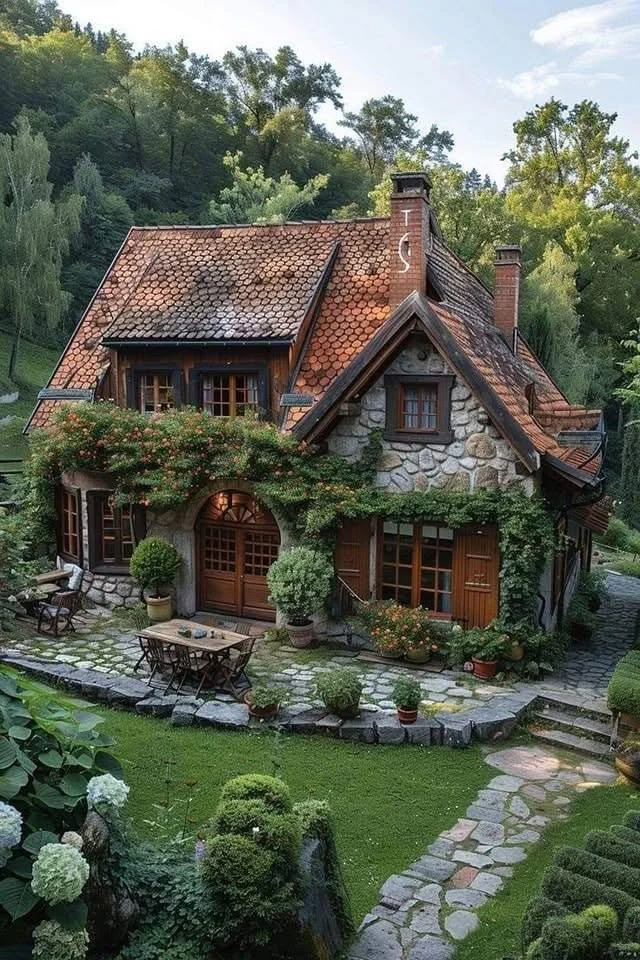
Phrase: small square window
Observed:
(418, 408)
(229, 394)
(156, 392)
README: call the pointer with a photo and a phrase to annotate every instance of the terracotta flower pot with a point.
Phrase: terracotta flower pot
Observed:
(388, 655)
(516, 653)
(484, 669)
(300, 635)
(260, 713)
(159, 609)
(419, 654)
(407, 716)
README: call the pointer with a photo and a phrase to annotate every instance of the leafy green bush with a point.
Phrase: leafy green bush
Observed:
(278, 832)
(264, 697)
(484, 643)
(340, 691)
(578, 892)
(631, 925)
(52, 942)
(395, 629)
(624, 951)
(623, 692)
(631, 819)
(17, 571)
(538, 911)
(579, 620)
(617, 534)
(629, 568)
(608, 872)
(407, 693)
(154, 564)
(49, 750)
(607, 845)
(593, 587)
(300, 582)
(257, 786)
(627, 834)
(585, 936)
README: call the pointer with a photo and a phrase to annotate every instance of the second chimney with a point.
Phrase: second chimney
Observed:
(409, 235)
(506, 293)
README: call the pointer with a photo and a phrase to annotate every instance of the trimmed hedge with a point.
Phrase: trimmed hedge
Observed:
(631, 819)
(625, 834)
(585, 936)
(577, 892)
(604, 844)
(538, 911)
(631, 926)
(607, 872)
(624, 951)
(623, 693)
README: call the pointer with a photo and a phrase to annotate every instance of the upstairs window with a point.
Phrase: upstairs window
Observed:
(229, 394)
(418, 408)
(156, 392)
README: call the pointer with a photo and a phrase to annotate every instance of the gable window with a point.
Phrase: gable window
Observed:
(156, 392)
(418, 408)
(417, 566)
(229, 394)
(114, 532)
(69, 525)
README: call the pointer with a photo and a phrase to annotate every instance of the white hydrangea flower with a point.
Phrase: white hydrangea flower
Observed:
(10, 827)
(72, 839)
(59, 873)
(106, 791)
(52, 942)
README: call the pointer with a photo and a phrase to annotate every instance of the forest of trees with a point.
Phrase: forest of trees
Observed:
(96, 136)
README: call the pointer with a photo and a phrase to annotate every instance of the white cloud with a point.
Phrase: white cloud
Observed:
(593, 30)
(542, 80)
(437, 50)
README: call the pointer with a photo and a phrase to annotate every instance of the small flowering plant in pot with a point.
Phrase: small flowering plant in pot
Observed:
(300, 582)
(264, 702)
(154, 564)
(385, 624)
(488, 647)
(407, 696)
(340, 691)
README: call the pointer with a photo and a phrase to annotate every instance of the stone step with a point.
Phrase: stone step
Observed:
(574, 703)
(576, 723)
(584, 745)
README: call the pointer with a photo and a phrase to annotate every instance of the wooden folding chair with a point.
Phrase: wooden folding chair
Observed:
(233, 666)
(57, 613)
(162, 657)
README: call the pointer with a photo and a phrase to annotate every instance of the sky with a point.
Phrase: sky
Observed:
(471, 66)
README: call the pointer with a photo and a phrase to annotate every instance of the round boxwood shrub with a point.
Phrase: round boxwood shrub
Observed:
(585, 936)
(258, 786)
(538, 911)
(300, 582)
(279, 832)
(154, 564)
(340, 691)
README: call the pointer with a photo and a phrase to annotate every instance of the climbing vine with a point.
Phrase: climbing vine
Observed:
(162, 462)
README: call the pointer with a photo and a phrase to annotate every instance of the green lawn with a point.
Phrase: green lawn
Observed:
(35, 364)
(388, 802)
(500, 919)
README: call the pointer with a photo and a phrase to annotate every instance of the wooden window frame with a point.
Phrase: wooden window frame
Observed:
(97, 561)
(72, 492)
(135, 374)
(258, 370)
(415, 587)
(394, 385)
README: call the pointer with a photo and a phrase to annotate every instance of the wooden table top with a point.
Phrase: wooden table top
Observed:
(52, 576)
(167, 632)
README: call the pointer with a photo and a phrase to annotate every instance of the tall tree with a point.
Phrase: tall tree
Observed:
(34, 236)
(256, 198)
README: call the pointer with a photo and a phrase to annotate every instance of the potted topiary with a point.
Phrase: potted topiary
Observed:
(407, 696)
(154, 564)
(264, 702)
(340, 691)
(300, 582)
(627, 758)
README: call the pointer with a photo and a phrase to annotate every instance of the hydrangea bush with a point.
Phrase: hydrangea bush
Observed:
(59, 873)
(51, 941)
(10, 830)
(106, 791)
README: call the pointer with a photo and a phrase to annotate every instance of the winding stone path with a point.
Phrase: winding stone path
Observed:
(425, 910)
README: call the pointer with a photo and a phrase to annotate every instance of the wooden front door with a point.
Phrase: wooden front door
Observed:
(238, 541)
(352, 555)
(476, 572)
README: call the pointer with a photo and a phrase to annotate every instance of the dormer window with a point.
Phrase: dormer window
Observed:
(229, 394)
(156, 392)
(418, 408)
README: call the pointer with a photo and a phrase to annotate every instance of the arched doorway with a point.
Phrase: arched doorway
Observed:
(237, 541)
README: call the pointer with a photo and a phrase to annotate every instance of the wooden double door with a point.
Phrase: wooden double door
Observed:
(238, 540)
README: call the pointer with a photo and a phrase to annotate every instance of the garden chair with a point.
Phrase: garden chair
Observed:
(232, 676)
(57, 613)
(161, 657)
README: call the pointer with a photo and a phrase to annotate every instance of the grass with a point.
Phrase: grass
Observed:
(35, 364)
(388, 803)
(500, 919)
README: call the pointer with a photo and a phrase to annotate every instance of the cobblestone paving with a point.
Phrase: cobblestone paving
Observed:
(431, 905)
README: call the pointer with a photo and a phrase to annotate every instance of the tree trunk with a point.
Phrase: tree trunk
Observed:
(13, 357)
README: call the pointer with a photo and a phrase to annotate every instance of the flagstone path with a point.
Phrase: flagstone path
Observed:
(432, 904)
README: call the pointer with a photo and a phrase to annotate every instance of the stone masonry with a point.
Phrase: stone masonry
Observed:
(478, 457)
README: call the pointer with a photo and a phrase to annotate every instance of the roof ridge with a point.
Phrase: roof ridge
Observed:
(177, 227)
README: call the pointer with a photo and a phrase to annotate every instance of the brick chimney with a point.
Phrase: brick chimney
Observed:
(507, 291)
(409, 235)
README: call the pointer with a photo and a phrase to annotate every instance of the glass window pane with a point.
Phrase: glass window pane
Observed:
(428, 579)
(388, 592)
(388, 574)
(445, 533)
(445, 559)
(429, 532)
(404, 596)
(405, 553)
(427, 599)
(390, 527)
(404, 576)
(406, 530)
(444, 580)
(444, 603)
(429, 556)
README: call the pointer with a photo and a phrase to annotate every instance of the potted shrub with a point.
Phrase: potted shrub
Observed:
(264, 702)
(340, 691)
(407, 696)
(627, 758)
(154, 564)
(299, 582)
(384, 624)
(487, 646)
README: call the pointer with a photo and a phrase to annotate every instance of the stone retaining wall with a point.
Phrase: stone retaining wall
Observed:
(488, 723)
(110, 591)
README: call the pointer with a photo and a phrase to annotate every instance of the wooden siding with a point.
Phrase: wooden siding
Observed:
(476, 569)
(352, 555)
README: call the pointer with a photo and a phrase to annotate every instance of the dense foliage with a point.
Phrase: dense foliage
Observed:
(154, 564)
(340, 691)
(300, 581)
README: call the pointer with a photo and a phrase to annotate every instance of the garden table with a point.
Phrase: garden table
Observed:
(200, 655)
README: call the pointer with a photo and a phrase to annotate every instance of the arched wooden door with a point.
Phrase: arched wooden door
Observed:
(238, 541)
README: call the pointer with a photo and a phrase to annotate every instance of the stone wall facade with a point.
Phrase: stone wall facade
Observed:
(478, 457)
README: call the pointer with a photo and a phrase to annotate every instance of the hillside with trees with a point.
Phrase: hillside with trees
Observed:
(96, 136)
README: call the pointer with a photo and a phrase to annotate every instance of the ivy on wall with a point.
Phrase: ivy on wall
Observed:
(163, 461)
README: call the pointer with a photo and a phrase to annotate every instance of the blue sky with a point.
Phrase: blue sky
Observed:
(472, 66)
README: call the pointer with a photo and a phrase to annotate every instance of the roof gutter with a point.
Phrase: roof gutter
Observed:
(274, 342)
(573, 473)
